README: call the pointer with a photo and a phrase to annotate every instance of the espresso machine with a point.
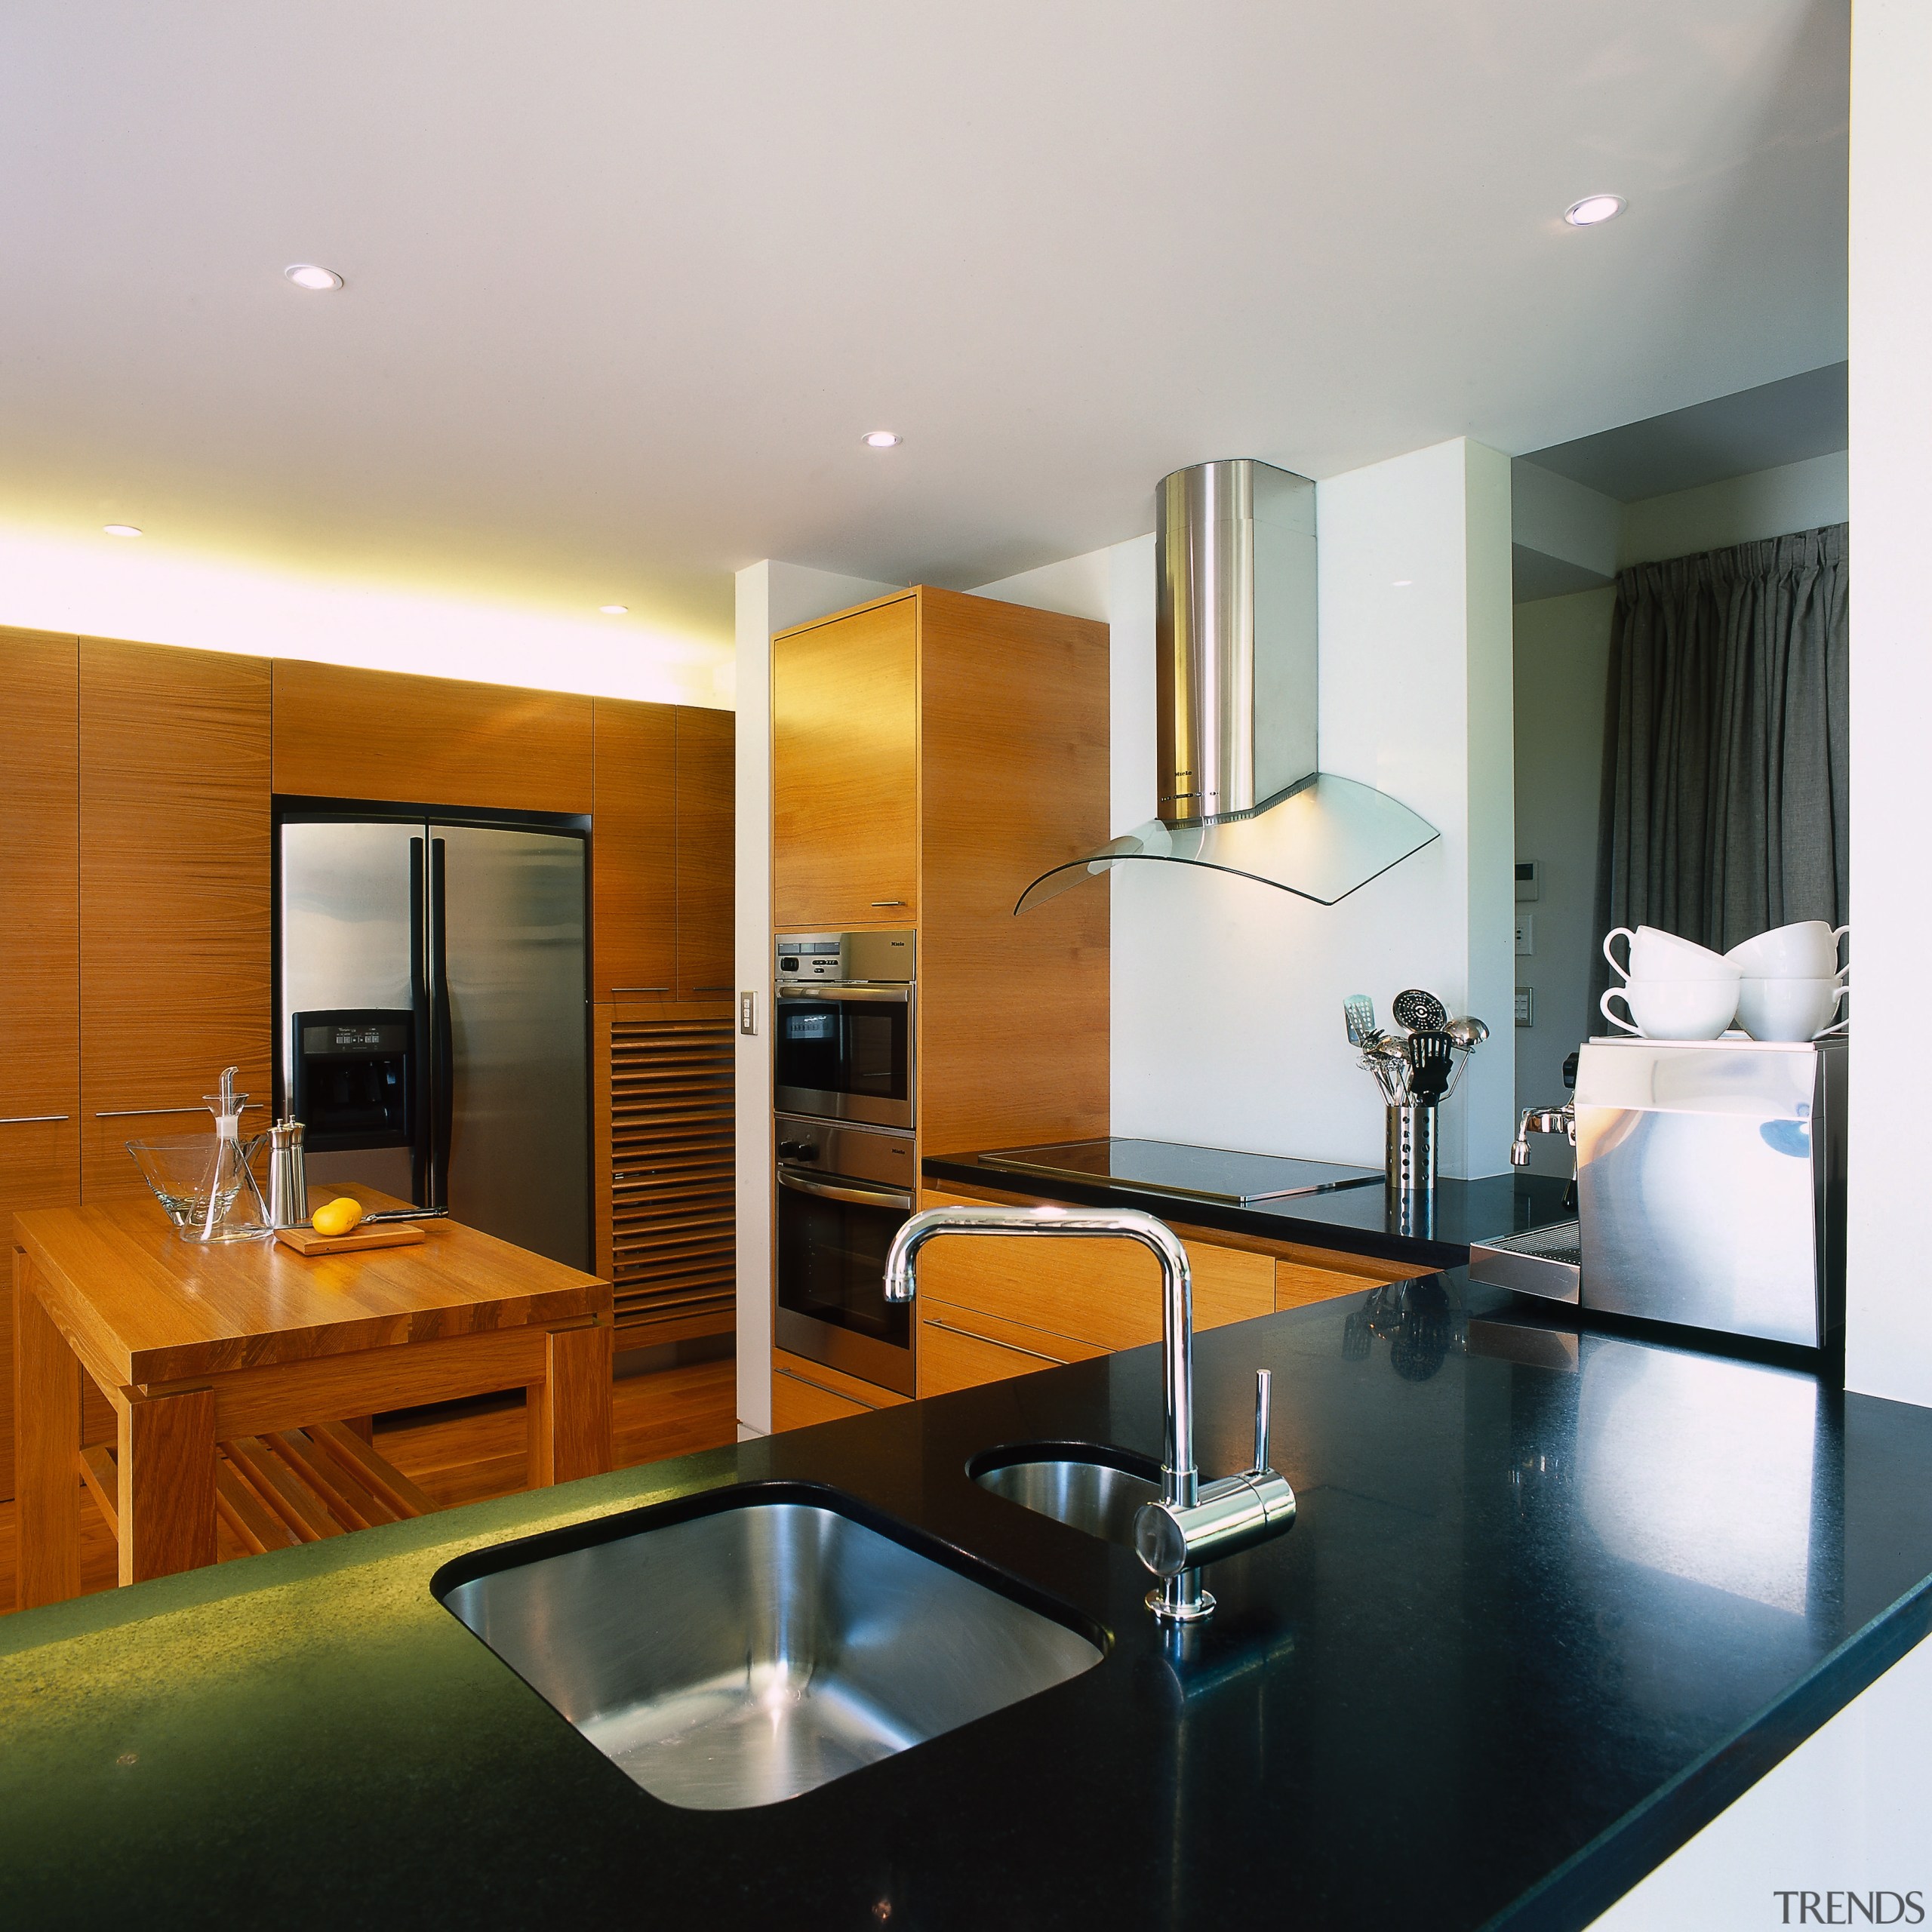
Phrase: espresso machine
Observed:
(1710, 1189)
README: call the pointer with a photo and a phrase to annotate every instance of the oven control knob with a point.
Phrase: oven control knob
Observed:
(797, 1150)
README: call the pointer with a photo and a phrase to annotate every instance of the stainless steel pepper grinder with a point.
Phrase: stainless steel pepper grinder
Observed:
(288, 1180)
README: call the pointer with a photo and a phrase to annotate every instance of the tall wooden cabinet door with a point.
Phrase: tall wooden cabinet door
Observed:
(175, 904)
(40, 1101)
(845, 743)
(707, 764)
(633, 852)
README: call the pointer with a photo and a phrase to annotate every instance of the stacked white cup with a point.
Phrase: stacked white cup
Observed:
(1790, 982)
(1675, 990)
(1784, 985)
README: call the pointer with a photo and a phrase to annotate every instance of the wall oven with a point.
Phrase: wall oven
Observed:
(844, 1191)
(845, 1026)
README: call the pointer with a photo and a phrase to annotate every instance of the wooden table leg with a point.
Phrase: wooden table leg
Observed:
(167, 1473)
(569, 1409)
(47, 1423)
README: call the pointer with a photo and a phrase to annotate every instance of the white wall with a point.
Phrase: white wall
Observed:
(1226, 995)
(1889, 1327)
(770, 597)
(136, 588)
(1562, 656)
(1741, 509)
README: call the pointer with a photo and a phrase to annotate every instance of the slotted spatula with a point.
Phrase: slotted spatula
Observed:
(1432, 1061)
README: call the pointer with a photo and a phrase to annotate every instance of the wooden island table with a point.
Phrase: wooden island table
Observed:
(195, 1346)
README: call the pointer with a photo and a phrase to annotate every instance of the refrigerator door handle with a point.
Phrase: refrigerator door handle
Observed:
(421, 1111)
(443, 1049)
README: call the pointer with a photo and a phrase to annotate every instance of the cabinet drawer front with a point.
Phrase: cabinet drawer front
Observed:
(1298, 1283)
(959, 1348)
(1107, 1293)
(798, 1404)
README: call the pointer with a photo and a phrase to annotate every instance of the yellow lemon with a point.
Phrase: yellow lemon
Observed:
(337, 1217)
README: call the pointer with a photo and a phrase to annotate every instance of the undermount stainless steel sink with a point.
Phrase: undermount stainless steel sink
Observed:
(1086, 1485)
(755, 1642)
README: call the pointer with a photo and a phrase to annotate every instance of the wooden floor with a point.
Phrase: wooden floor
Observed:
(468, 1452)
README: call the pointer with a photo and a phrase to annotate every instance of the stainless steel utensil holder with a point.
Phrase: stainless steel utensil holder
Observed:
(1410, 1154)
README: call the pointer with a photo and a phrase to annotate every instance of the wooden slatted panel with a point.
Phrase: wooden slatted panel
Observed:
(673, 1213)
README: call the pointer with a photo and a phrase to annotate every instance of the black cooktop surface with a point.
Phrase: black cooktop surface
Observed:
(1198, 1173)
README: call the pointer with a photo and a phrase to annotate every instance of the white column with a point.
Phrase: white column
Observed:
(1888, 1333)
(770, 597)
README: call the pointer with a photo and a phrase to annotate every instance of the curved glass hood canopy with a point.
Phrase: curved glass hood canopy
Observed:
(1236, 772)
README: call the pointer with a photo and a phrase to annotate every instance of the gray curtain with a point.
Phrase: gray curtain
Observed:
(1726, 740)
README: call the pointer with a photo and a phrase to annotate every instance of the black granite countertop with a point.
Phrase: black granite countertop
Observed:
(1553, 1597)
(1435, 1229)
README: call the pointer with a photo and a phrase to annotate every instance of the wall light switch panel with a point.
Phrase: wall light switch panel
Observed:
(1529, 880)
(1525, 1006)
(1526, 935)
(747, 1012)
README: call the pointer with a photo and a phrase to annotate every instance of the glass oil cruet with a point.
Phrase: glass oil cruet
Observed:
(234, 1209)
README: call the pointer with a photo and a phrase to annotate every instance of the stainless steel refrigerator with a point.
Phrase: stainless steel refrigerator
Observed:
(432, 1016)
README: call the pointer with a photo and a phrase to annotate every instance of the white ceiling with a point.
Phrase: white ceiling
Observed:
(626, 280)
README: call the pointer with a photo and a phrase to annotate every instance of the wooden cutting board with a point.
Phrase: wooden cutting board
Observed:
(391, 1234)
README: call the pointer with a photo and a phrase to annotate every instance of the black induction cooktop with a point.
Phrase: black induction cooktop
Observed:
(1196, 1174)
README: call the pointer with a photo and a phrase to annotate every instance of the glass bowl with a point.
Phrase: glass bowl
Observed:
(177, 1166)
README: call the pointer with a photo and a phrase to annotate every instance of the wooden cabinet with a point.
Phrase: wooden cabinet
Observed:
(633, 852)
(666, 1209)
(1302, 1276)
(40, 1101)
(662, 852)
(175, 913)
(1013, 775)
(963, 1347)
(1107, 1293)
(990, 1309)
(804, 1392)
(341, 733)
(845, 735)
(932, 754)
(707, 818)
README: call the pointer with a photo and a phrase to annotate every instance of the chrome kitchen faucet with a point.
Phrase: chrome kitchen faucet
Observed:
(1190, 1525)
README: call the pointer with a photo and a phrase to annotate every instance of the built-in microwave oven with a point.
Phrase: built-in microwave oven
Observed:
(844, 1191)
(845, 1026)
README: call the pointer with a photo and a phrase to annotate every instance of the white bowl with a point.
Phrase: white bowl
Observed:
(1808, 950)
(1788, 1009)
(1657, 954)
(1674, 1009)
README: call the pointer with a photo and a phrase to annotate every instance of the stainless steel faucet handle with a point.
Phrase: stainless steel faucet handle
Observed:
(1264, 1398)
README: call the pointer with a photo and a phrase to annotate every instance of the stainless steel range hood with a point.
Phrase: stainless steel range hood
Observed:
(1236, 764)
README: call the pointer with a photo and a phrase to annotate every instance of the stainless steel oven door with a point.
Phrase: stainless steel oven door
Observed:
(845, 1053)
(833, 1233)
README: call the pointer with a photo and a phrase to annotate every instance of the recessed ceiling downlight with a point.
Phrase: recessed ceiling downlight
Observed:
(614, 610)
(122, 529)
(1593, 209)
(880, 439)
(317, 280)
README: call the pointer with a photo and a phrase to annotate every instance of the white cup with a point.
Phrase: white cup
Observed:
(1789, 1009)
(1808, 950)
(1657, 954)
(1674, 1009)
